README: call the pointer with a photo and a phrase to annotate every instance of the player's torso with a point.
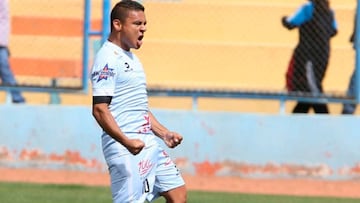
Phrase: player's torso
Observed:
(129, 104)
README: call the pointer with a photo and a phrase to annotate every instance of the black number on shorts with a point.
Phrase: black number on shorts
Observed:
(146, 186)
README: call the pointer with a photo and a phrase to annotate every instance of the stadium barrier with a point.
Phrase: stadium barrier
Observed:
(215, 143)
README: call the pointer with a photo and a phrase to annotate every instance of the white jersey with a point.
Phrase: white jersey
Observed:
(119, 74)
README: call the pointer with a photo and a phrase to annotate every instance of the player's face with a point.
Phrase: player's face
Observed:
(132, 30)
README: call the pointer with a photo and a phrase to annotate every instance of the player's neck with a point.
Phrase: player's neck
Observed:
(115, 40)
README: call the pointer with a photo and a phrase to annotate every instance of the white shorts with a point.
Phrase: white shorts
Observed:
(144, 176)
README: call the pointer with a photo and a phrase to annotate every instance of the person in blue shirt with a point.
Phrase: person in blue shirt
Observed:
(350, 108)
(316, 23)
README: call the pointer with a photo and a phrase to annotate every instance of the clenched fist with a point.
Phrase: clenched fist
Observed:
(134, 146)
(172, 139)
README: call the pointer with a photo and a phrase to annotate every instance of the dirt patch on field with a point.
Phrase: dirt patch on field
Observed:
(205, 183)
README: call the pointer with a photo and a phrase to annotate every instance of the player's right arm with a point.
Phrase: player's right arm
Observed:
(107, 122)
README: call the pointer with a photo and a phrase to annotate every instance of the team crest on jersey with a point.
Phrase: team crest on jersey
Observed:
(103, 74)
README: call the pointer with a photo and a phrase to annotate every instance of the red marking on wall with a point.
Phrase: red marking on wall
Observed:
(36, 156)
(208, 129)
(207, 168)
(292, 170)
(321, 170)
(31, 155)
(56, 157)
(352, 171)
(269, 169)
(355, 170)
(95, 164)
(5, 154)
(75, 158)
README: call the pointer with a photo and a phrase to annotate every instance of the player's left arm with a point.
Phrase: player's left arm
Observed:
(171, 139)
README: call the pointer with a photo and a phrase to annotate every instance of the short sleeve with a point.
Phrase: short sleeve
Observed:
(302, 15)
(103, 78)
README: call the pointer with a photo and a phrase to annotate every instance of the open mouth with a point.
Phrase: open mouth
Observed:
(141, 37)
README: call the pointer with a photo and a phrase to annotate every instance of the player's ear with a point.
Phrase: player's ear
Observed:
(117, 24)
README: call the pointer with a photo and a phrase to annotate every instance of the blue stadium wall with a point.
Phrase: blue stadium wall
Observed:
(215, 143)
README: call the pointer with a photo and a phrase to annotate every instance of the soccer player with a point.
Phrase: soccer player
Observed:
(139, 168)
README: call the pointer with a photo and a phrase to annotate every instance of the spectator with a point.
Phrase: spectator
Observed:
(139, 168)
(6, 74)
(349, 108)
(316, 23)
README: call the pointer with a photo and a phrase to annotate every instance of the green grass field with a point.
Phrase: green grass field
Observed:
(46, 193)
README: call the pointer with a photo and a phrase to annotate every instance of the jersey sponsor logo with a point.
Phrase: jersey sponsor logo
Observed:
(103, 74)
(127, 67)
(144, 167)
